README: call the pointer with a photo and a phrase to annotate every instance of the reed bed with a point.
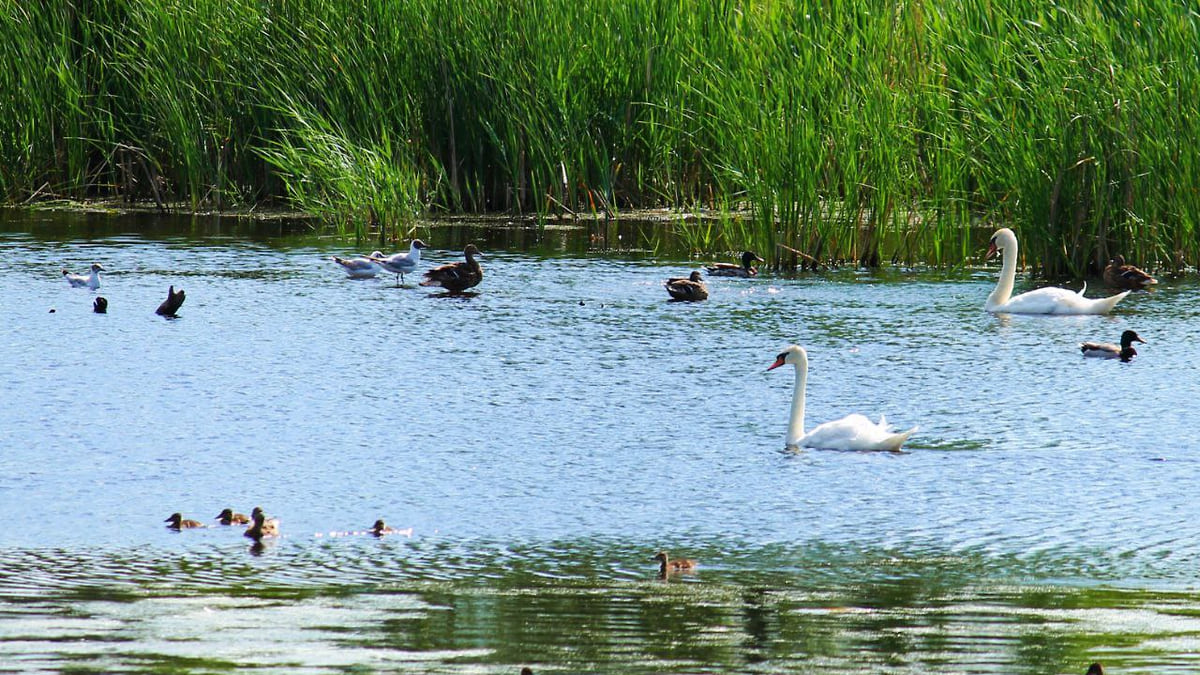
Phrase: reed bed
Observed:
(867, 132)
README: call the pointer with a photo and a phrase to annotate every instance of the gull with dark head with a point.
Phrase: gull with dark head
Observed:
(402, 263)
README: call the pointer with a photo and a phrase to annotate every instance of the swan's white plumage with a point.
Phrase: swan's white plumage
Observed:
(852, 432)
(1048, 300)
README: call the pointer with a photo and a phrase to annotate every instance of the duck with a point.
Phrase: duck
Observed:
(667, 565)
(1107, 350)
(228, 517)
(1095, 669)
(381, 528)
(171, 305)
(261, 528)
(745, 270)
(99, 305)
(1120, 275)
(91, 281)
(401, 263)
(852, 432)
(457, 277)
(360, 268)
(691, 289)
(177, 522)
(1048, 300)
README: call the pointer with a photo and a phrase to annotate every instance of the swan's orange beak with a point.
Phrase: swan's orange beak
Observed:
(778, 362)
(991, 250)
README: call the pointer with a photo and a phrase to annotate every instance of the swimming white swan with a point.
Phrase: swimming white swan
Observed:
(852, 432)
(1049, 300)
(91, 281)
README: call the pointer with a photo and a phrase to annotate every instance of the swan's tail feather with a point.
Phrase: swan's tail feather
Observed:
(1081, 291)
(1106, 305)
(895, 441)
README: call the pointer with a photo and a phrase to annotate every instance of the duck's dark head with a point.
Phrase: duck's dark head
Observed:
(695, 276)
(471, 250)
(749, 257)
(379, 526)
(661, 556)
(1129, 337)
(174, 518)
(1117, 260)
(100, 305)
(226, 514)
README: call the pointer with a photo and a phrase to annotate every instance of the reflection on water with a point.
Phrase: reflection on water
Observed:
(544, 438)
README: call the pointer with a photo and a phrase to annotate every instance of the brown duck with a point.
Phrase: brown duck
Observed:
(1120, 275)
(745, 270)
(690, 289)
(100, 305)
(457, 277)
(177, 522)
(228, 517)
(666, 565)
(262, 527)
(172, 304)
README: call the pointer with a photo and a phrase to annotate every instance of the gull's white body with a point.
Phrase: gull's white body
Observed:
(91, 280)
(360, 268)
(852, 432)
(1048, 300)
(401, 263)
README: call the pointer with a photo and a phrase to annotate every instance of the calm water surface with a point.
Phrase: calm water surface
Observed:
(546, 437)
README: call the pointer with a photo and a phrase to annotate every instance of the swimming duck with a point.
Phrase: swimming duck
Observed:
(401, 263)
(228, 517)
(91, 281)
(262, 527)
(99, 305)
(177, 522)
(666, 565)
(360, 268)
(380, 528)
(746, 269)
(1047, 300)
(1120, 275)
(457, 277)
(690, 289)
(1107, 350)
(172, 304)
(1095, 669)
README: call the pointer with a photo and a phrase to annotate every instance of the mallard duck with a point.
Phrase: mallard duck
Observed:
(99, 305)
(91, 281)
(228, 517)
(360, 268)
(1095, 669)
(1107, 350)
(262, 527)
(1120, 275)
(171, 305)
(457, 277)
(402, 263)
(746, 269)
(177, 522)
(667, 565)
(690, 289)
(380, 528)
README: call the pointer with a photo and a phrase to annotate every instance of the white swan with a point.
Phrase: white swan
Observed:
(1049, 300)
(852, 432)
(91, 281)
(360, 268)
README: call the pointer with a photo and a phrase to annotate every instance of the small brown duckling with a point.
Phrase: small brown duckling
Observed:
(666, 565)
(228, 517)
(457, 277)
(1107, 350)
(262, 527)
(171, 305)
(745, 270)
(99, 305)
(177, 522)
(1120, 275)
(691, 289)
(1095, 669)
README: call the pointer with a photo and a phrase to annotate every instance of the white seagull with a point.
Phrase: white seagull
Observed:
(360, 268)
(401, 263)
(91, 281)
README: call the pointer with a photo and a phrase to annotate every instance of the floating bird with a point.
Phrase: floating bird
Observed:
(746, 269)
(177, 522)
(172, 304)
(228, 517)
(91, 281)
(852, 432)
(457, 277)
(1120, 275)
(1107, 350)
(1048, 300)
(401, 263)
(666, 565)
(360, 268)
(690, 289)
(262, 528)
(99, 305)
(1095, 669)
(380, 528)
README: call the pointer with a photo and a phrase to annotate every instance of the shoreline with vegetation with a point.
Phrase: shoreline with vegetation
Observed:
(879, 132)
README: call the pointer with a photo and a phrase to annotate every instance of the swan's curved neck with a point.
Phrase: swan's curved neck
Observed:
(1008, 273)
(796, 421)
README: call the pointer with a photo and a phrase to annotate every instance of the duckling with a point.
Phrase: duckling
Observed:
(746, 269)
(360, 268)
(228, 517)
(667, 565)
(99, 305)
(91, 281)
(172, 304)
(457, 277)
(262, 528)
(1095, 669)
(177, 522)
(690, 289)
(380, 528)
(1120, 275)
(1107, 350)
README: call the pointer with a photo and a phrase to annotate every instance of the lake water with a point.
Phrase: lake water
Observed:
(544, 438)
